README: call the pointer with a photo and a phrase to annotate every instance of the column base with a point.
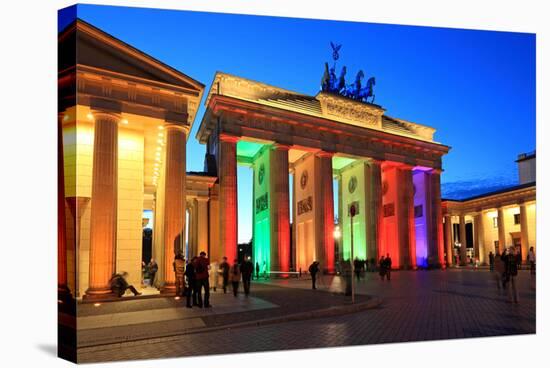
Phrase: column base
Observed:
(98, 294)
(168, 289)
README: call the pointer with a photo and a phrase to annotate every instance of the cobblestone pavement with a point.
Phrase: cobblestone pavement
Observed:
(423, 305)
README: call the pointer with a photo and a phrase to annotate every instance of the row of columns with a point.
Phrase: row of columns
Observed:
(103, 221)
(480, 249)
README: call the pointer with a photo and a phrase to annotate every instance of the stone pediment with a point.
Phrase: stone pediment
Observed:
(98, 49)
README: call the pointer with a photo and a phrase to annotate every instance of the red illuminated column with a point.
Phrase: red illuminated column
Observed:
(174, 200)
(437, 215)
(406, 223)
(103, 221)
(325, 212)
(280, 213)
(227, 173)
(62, 289)
(375, 209)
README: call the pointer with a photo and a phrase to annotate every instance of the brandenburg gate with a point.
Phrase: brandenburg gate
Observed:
(388, 167)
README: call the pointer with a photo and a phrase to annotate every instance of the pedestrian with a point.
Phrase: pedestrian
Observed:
(372, 264)
(511, 272)
(191, 286)
(202, 263)
(531, 258)
(499, 271)
(313, 269)
(491, 261)
(257, 271)
(213, 276)
(153, 269)
(264, 270)
(357, 268)
(382, 268)
(518, 258)
(246, 273)
(234, 273)
(224, 270)
(503, 257)
(387, 261)
(119, 284)
(179, 270)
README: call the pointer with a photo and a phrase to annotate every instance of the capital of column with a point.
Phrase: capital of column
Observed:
(435, 171)
(112, 117)
(375, 161)
(181, 128)
(228, 138)
(280, 146)
(324, 154)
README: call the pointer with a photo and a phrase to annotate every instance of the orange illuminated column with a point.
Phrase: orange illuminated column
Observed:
(62, 289)
(325, 211)
(406, 225)
(103, 221)
(462, 233)
(449, 239)
(437, 215)
(374, 207)
(174, 200)
(202, 225)
(280, 212)
(227, 174)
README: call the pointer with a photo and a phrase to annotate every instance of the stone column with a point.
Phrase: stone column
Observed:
(77, 206)
(174, 200)
(479, 248)
(103, 220)
(406, 223)
(462, 240)
(202, 225)
(325, 212)
(449, 239)
(501, 231)
(280, 212)
(62, 288)
(192, 240)
(375, 209)
(436, 218)
(524, 232)
(227, 173)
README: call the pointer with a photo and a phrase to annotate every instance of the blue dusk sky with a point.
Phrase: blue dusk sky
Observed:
(477, 88)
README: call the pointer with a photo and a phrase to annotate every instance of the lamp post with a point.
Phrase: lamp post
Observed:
(352, 212)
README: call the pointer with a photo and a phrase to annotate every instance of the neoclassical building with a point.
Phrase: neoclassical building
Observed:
(493, 221)
(125, 118)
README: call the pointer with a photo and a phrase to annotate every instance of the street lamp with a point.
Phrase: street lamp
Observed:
(336, 233)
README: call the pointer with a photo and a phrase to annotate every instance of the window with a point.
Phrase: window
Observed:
(495, 222)
(516, 219)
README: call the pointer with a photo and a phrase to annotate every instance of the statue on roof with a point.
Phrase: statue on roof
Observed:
(355, 90)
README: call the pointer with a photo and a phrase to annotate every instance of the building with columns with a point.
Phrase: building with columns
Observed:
(125, 118)
(493, 221)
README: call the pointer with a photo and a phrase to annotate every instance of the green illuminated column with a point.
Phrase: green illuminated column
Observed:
(373, 178)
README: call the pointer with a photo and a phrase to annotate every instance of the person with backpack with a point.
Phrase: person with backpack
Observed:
(247, 268)
(202, 263)
(511, 272)
(234, 273)
(313, 270)
(191, 285)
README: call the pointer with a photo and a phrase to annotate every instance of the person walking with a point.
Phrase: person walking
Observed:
(257, 271)
(382, 268)
(202, 263)
(191, 287)
(387, 261)
(511, 272)
(234, 273)
(153, 268)
(491, 261)
(179, 270)
(531, 258)
(119, 284)
(499, 271)
(357, 268)
(224, 270)
(313, 269)
(246, 273)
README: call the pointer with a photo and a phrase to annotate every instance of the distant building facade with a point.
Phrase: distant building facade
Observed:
(491, 222)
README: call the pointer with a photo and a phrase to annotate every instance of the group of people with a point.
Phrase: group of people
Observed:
(384, 267)
(192, 278)
(505, 269)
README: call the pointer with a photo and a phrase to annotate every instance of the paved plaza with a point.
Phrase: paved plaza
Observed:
(416, 306)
